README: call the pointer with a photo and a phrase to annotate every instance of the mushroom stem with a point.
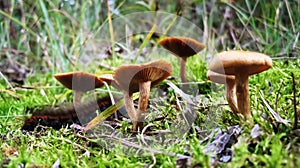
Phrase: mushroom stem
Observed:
(231, 95)
(129, 106)
(77, 95)
(144, 88)
(183, 69)
(242, 93)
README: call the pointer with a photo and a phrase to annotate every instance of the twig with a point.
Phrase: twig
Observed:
(294, 102)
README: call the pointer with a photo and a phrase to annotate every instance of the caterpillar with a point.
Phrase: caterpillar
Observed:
(65, 115)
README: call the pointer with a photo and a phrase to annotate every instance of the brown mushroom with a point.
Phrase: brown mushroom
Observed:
(79, 82)
(229, 81)
(182, 47)
(134, 78)
(241, 64)
(108, 78)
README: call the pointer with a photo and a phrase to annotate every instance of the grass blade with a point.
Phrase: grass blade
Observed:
(102, 116)
(106, 113)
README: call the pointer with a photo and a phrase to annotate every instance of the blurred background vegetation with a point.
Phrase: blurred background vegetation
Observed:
(49, 36)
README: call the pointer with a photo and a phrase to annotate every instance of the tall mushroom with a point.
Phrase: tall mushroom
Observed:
(229, 81)
(79, 82)
(134, 78)
(241, 64)
(182, 47)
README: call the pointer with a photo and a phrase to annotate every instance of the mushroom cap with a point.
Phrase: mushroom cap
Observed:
(108, 78)
(128, 77)
(80, 81)
(219, 78)
(182, 46)
(246, 62)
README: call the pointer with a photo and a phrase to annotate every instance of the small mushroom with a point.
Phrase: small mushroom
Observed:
(79, 82)
(182, 47)
(241, 64)
(229, 81)
(134, 78)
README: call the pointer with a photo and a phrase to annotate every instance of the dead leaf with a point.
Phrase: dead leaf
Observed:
(274, 114)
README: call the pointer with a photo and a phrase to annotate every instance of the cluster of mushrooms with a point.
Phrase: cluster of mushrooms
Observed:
(231, 68)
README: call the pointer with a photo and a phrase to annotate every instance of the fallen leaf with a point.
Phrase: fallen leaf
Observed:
(274, 114)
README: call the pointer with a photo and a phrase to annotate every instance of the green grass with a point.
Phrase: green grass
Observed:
(49, 37)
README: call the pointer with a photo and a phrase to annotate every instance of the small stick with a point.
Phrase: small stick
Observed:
(294, 102)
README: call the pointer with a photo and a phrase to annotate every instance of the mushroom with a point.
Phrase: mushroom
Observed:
(182, 47)
(241, 64)
(79, 82)
(229, 81)
(134, 78)
(108, 78)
